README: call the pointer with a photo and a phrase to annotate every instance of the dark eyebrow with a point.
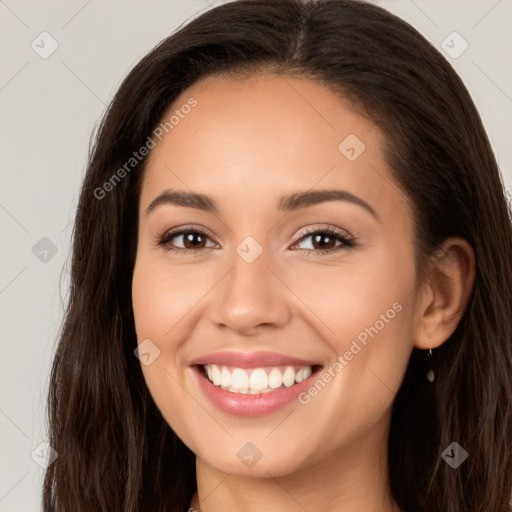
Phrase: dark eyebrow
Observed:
(312, 197)
(182, 198)
(286, 203)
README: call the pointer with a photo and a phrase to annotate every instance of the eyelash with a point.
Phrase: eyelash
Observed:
(347, 241)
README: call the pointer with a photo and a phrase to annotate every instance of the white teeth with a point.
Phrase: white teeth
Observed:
(215, 378)
(239, 379)
(275, 379)
(225, 377)
(257, 380)
(289, 377)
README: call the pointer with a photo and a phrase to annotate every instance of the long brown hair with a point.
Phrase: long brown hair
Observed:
(116, 451)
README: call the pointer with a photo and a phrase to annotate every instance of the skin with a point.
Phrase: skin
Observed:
(247, 143)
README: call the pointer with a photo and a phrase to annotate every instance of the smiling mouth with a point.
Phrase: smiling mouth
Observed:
(256, 381)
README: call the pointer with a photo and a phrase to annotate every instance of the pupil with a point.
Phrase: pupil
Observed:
(320, 236)
(190, 238)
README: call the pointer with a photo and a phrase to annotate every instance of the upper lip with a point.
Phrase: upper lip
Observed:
(250, 359)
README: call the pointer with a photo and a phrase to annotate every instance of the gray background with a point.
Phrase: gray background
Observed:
(49, 108)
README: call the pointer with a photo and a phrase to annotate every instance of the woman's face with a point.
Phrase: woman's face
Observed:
(263, 289)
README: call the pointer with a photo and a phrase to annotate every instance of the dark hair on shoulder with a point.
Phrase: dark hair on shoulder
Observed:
(116, 451)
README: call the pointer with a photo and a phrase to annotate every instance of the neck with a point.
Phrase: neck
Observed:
(355, 479)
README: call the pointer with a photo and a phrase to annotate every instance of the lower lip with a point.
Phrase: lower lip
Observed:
(250, 405)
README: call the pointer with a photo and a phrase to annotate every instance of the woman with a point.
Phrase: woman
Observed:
(290, 280)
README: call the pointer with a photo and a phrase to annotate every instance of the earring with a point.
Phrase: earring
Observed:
(430, 373)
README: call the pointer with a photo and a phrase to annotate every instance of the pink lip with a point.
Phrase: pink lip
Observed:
(250, 360)
(250, 405)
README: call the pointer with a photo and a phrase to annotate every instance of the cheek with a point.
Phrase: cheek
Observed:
(161, 300)
(352, 294)
(371, 348)
(162, 297)
(365, 312)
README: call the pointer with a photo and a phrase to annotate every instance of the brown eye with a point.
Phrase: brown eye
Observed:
(190, 239)
(327, 240)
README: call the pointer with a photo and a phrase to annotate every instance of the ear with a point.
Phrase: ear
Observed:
(445, 294)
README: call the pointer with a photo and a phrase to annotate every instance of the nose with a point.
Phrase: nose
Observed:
(251, 297)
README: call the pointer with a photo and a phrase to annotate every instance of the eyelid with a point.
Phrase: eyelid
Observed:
(347, 240)
(178, 231)
(325, 228)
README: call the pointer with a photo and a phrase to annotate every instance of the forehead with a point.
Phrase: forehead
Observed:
(254, 139)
